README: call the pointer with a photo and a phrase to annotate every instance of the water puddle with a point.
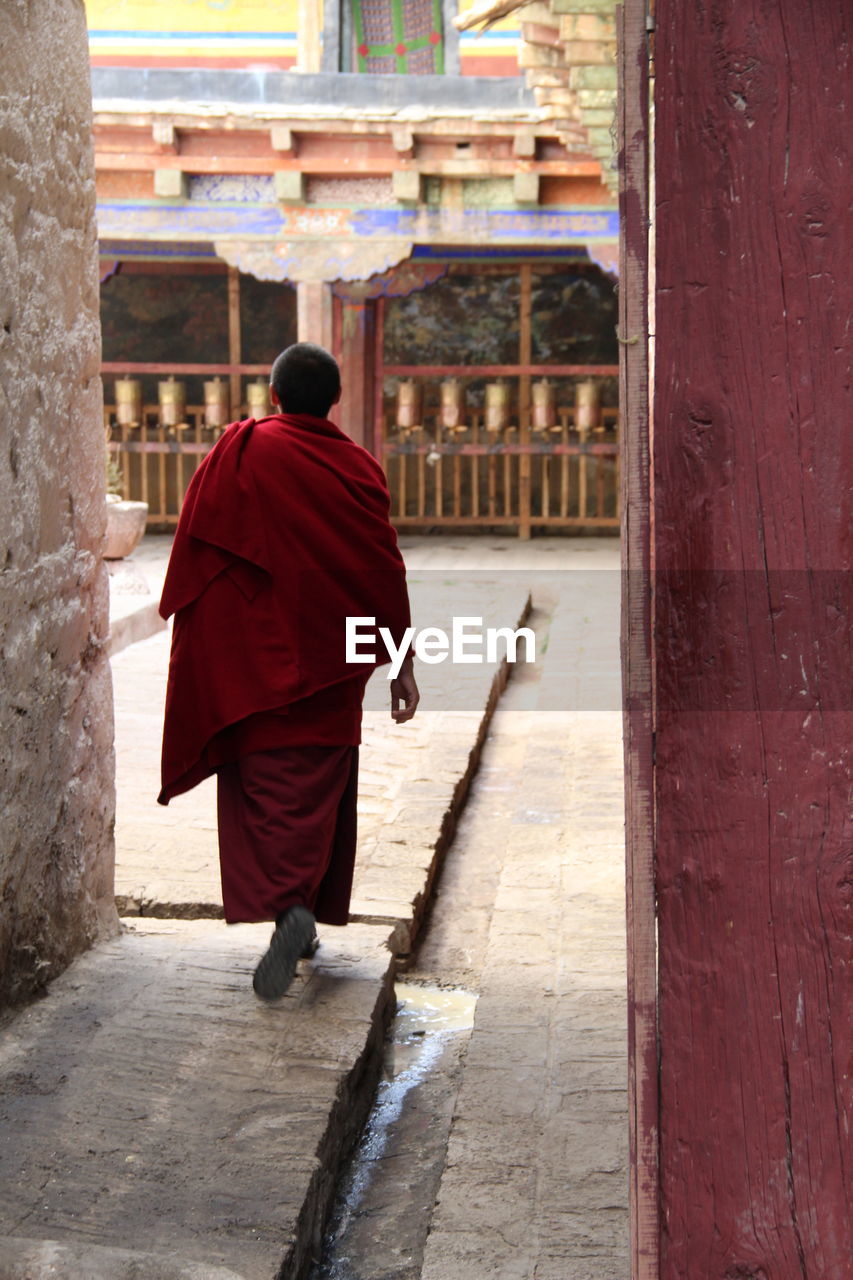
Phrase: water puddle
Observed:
(424, 1016)
(422, 1053)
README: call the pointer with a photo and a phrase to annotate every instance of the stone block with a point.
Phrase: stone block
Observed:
(524, 144)
(407, 186)
(590, 97)
(525, 188)
(289, 186)
(403, 140)
(164, 134)
(281, 138)
(603, 7)
(539, 55)
(125, 527)
(597, 117)
(594, 78)
(600, 138)
(170, 184)
(588, 26)
(588, 53)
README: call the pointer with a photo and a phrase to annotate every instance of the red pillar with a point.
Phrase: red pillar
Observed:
(357, 359)
(314, 312)
(751, 541)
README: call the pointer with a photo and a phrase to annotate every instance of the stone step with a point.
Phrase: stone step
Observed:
(157, 1116)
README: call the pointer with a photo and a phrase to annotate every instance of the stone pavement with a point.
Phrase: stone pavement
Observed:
(536, 1178)
(413, 777)
(160, 1122)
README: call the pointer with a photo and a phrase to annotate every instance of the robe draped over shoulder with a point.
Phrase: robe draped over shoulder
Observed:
(284, 533)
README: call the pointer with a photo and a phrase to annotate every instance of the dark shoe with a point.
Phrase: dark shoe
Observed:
(292, 937)
(312, 948)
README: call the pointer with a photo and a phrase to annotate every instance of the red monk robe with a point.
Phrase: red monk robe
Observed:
(284, 533)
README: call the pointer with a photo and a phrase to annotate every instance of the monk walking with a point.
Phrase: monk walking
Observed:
(284, 533)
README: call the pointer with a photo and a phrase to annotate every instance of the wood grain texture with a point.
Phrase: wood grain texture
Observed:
(633, 124)
(752, 465)
(235, 349)
(525, 355)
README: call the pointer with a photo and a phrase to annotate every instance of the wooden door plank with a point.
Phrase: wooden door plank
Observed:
(235, 344)
(633, 116)
(752, 460)
(525, 357)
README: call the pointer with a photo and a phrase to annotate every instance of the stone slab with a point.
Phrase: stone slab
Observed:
(39, 1259)
(536, 1179)
(176, 1126)
(135, 586)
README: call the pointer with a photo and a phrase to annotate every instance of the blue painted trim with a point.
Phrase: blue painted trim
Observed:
(246, 221)
(441, 252)
(157, 249)
(548, 224)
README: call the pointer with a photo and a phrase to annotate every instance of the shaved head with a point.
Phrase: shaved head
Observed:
(306, 379)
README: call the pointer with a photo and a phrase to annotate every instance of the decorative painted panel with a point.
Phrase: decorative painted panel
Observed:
(574, 316)
(256, 34)
(399, 36)
(467, 318)
(165, 318)
(198, 33)
(182, 318)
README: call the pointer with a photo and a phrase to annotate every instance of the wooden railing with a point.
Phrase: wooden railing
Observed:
(550, 479)
(156, 463)
(467, 478)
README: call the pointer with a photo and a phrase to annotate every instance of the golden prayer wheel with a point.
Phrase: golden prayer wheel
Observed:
(497, 406)
(216, 407)
(452, 404)
(258, 399)
(544, 395)
(409, 404)
(172, 396)
(587, 406)
(128, 401)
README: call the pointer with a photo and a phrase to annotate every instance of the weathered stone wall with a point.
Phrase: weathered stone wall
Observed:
(56, 755)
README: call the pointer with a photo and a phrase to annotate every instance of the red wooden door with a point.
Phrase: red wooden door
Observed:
(748, 527)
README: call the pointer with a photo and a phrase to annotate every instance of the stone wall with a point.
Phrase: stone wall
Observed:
(56, 754)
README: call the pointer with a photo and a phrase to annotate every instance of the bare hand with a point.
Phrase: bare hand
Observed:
(404, 694)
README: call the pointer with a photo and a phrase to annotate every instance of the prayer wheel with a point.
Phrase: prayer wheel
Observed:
(497, 406)
(258, 399)
(409, 404)
(587, 406)
(172, 396)
(544, 396)
(452, 404)
(216, 408)
(128, 401)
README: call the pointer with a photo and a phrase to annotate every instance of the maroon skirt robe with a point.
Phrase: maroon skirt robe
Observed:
(287, 832)
(287, 790)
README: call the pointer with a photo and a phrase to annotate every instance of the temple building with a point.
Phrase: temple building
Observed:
(431, 200)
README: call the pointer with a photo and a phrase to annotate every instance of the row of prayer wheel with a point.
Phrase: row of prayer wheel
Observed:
(498, 405)
(172, 402)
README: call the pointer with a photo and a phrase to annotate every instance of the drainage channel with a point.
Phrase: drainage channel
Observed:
(382, 1210)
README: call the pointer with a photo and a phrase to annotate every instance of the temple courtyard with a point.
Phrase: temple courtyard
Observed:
(448, 1077)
